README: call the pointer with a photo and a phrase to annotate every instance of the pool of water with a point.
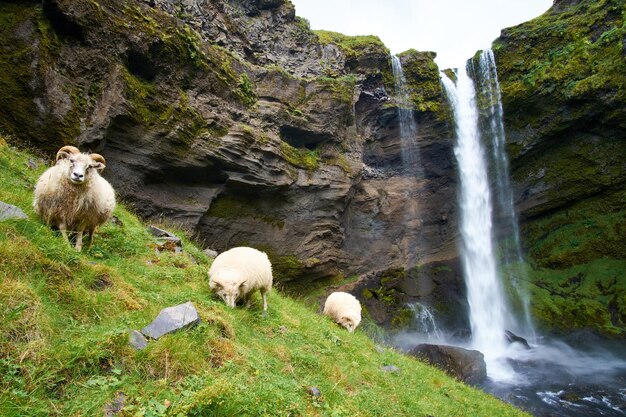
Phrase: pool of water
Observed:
(582, 378)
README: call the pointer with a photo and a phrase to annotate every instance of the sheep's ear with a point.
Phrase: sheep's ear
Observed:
(242, 282)
(99, 166)
(100, 162)
(217, 284)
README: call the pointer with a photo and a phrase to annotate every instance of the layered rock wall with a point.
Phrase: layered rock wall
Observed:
(236, 120)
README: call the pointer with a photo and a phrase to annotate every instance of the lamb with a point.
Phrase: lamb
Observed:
(73, 196)
(238, 273)
(344, 309)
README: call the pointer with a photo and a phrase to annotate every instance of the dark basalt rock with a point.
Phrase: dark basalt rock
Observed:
(513, 338)
(466, 365)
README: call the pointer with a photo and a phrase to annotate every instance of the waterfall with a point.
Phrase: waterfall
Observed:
(411, 164)
(489, 87)
(424, 322)
(489, 315)
(408, 127)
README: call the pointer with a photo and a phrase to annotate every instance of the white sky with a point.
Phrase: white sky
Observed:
(455, 29)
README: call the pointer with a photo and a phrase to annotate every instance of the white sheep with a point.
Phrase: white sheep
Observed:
(344, 309)
(73, 196)
(238, 273)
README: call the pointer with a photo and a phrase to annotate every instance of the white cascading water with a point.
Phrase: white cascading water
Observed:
(488, 312)
(411, 163)
(408, 127)
(424, 321)
(487, 79)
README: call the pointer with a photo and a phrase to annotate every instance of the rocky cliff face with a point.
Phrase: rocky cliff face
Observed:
(563, 83)
(235, 119)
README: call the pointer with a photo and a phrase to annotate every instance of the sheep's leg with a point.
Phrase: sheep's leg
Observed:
(90, 238)
(63, 230)
(79, 240)
(247, 300)
(264, 294)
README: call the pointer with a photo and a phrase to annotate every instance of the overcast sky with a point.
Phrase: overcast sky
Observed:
(455, 29)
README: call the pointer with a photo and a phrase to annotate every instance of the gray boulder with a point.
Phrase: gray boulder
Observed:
(9, 212)
(464, 364)
(137, 340)
(171, 319)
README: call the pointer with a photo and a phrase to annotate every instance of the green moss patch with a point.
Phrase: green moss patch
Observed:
(575, 56)
(352, 46)
(588, 296)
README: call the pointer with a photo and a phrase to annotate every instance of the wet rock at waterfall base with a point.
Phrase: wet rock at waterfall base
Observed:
(513, 338)
(172, 319)
(466, 365)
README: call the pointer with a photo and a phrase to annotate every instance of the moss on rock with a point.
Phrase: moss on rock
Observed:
(575, 56)
(423, 80)
(352, 46)
(563, 81)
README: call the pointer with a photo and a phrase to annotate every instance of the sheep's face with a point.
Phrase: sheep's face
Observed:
(348, 322)
(229, 290)
(81, 166)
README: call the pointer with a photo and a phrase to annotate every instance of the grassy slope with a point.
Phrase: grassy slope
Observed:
(64, 318)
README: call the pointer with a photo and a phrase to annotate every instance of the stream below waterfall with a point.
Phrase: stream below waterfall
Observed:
(566, 380)
(580, 376)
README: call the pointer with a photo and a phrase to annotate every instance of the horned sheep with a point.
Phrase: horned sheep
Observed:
(72, 195)
(237, 273)
(344, 309)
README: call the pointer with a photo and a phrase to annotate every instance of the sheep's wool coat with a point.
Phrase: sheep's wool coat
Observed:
(239, 264)
(341, 304)
(83, 206)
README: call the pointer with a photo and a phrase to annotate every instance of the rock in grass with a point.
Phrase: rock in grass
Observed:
(9, 212)
(171, 319)
(115, 407)
(391, 368)
(137, 340)
(315, 392)
(163, 234)
(166, 241)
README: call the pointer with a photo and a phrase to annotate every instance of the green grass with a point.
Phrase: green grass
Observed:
(65, 316)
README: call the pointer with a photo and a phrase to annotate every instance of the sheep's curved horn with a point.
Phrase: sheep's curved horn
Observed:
(61, 153)
(98, 158)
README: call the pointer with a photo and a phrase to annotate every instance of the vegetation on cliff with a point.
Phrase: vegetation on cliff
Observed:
(573, 56)
(423, 81)
(65, 318)
(563, 80)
